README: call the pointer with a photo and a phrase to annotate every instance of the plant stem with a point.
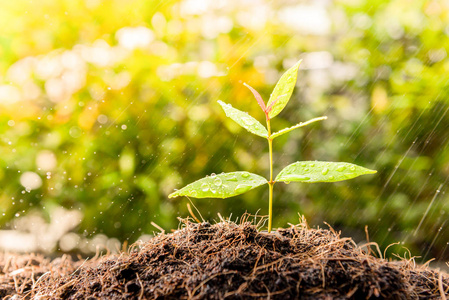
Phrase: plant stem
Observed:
(271, 182)
(270, 207)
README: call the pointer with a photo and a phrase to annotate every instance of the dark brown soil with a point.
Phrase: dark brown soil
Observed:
(225, 261)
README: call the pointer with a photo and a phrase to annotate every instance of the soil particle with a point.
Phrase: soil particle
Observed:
(225, 261)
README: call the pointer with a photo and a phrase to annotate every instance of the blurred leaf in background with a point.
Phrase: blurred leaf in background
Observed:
(107, 106)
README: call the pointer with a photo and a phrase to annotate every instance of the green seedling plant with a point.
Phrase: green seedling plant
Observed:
(227, 185)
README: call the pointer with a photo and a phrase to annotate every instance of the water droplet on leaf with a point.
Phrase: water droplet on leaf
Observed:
(245, 175)
(213, 175)
(241, 188)
(295, 178)
(193, 193)
(232, 178)
(248, 121)
(325, 171)
(217, 181)
(352, 168)
(204, 187)
(341, 168)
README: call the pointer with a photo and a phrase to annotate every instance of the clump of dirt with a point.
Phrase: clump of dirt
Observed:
(227, 261)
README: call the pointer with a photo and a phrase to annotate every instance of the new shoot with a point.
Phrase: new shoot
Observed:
(227, 185)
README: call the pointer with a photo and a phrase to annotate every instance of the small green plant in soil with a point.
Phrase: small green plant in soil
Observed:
(227, 185)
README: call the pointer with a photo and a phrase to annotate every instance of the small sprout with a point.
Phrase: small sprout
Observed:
(227, 185)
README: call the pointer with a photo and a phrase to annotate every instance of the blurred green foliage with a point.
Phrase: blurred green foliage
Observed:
(112, 104)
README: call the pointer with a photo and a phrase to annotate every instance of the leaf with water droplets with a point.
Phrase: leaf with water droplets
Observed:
(223, 185)
(301, 124)
(321, 171)
(244, 120)
(283, 88)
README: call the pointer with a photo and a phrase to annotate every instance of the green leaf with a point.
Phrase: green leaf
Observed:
(223, 185)
(244, 120)
(301, 124)
(321, 171)
(283, 90)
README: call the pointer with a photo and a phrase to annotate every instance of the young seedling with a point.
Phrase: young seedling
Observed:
(227, 185)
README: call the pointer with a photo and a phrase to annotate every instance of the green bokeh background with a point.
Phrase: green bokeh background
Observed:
(122, 96)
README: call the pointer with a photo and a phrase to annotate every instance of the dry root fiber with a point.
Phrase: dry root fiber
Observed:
(226, 261)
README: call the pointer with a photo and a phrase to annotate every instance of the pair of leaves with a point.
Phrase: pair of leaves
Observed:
(281, 93)
(227, 185)
(278, 100)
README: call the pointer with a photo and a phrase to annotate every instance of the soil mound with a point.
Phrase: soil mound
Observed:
(228, 261)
